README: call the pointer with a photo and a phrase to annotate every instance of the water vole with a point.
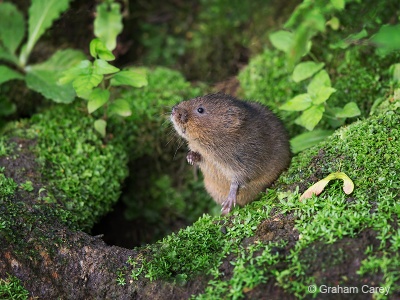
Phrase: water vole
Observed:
(241, 147)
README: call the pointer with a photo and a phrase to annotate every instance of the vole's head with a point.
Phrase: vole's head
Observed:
(208, 118)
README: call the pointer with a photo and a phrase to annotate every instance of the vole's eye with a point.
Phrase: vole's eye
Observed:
(200, 110)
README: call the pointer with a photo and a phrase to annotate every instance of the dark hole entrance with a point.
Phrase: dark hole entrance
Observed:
(158, 198)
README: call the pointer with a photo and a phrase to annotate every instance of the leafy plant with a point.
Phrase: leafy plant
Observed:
(11, 288)
(27, 186)
(307, 20)
(313, 104)
(94, 81)
(42, 77)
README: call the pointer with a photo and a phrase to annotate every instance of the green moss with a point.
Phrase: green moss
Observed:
(85, 174)
(11, 288)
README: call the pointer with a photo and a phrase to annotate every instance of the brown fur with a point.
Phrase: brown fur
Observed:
(238, 141)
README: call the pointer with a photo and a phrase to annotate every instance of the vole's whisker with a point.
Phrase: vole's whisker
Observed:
(176, 151)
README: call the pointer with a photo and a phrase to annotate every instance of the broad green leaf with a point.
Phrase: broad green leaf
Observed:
(108, 23)
(348, 111)
(322, 95)
(311, 117)
(135, 78)
(46, 83)
(7, 74)
(387, 39)
(97, 98)
(100, 126)
(299, 103)
(305, 70)
(319, 80)
(338, 4)
(120, 107)
(281, 40)
(42, 13)
(12, 26)
(61, 61)
(82, 68)
(98, 49)
(308, 139)
(102, 67)
(45, 77)
(317, 188)
(7, 56)
(85, 83)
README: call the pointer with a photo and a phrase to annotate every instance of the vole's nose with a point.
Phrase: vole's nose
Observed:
(180, 114)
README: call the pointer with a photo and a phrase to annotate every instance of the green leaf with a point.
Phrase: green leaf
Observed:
(387, 39)
(85, 83)
(338, 4)
(42, 13)
(45, 77)
(97, 98)
(298, 13)
(282, 40)
(108, 23)
(322, 95)
(298, 103)
(305, 70)
(301, 44)
(395, 72)
(102, 67)
(7, 74)
(308, 139)
(135, 78)
(351, 39)
(7, 56)
(120, 107)
(318, 81)
(98, 49)
(82, 68)
(348, 111)
(12, 26)
(311, 117)
(334, 23)
(100, 126)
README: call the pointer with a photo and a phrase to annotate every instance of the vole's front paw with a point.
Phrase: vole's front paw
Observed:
(193, 157)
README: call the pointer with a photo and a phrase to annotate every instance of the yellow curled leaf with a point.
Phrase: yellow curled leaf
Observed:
(317, 188)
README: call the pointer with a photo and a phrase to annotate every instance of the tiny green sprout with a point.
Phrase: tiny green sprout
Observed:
(317, 188)
(27, 186)
(121, 277)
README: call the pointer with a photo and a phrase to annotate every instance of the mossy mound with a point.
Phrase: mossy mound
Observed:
(327, 240)
(83, 172)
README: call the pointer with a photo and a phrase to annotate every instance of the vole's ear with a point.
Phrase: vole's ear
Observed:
(233, 117)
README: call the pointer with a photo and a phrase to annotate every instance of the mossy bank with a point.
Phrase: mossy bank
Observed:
(282, 245)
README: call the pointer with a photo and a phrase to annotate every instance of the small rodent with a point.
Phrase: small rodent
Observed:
(241, 147)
